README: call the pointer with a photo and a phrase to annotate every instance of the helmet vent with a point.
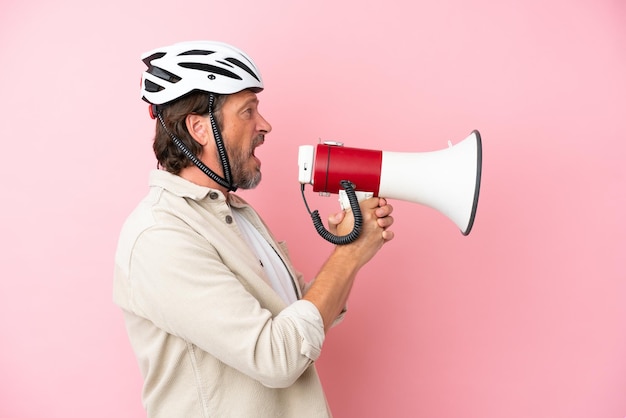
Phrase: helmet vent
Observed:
(225, 63)
(243, 67)
(197, 52)
(163, 74)
(210, 69)
(148, 60)
(152, 87)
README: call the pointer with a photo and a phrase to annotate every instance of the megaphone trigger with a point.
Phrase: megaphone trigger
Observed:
(344, 202)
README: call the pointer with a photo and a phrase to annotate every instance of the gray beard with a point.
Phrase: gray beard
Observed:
(246, 181)
(242, 178)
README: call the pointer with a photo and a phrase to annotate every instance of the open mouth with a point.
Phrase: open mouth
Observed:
(258, 141)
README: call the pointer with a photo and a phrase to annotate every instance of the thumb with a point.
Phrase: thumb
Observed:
(334, 220)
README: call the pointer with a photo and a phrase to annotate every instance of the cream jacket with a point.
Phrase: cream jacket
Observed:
(211, 336)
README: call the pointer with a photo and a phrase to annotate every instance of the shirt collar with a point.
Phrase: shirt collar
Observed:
(179, 186)
(184, 188)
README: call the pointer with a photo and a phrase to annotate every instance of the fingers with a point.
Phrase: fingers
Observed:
(388, 235)
(383, 212)
(385, 220)
(384, 209)
(374, 209)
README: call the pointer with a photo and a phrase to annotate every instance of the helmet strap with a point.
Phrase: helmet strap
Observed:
(219, 142)
(227, 183)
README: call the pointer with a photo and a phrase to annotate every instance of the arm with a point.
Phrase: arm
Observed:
(331, 288)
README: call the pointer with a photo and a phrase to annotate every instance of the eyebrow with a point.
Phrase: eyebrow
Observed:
(251, 100)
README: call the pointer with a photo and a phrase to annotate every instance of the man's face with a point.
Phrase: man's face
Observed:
(243, 129)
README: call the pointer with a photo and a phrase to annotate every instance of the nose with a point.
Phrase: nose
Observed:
(264, 125)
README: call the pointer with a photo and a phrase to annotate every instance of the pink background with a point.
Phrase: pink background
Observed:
(526, 317)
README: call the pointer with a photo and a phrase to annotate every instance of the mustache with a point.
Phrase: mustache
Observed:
(258, 140)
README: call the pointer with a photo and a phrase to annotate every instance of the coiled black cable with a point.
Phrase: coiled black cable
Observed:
(221, 150)
(356, 213)
(206, 170)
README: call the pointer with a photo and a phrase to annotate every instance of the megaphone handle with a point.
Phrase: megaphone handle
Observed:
(356, 212)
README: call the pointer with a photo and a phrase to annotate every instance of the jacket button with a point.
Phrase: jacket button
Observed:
(213, 195)
(229, 219)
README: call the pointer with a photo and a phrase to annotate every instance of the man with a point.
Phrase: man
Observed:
(221, 323)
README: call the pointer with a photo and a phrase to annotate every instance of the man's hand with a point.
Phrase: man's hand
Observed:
(374, 232)
(329, 292)
(383, 213)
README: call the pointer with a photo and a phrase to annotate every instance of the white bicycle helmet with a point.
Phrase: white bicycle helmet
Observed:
(215, 67)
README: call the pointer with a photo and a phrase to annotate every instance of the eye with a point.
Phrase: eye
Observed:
(248, 112)
(249, 109)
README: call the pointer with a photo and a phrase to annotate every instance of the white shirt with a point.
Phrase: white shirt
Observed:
(279, 277)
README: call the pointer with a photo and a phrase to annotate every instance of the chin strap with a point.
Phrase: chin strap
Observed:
(221, 149)
(225, 181)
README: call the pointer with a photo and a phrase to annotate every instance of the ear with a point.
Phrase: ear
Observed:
(198, 128)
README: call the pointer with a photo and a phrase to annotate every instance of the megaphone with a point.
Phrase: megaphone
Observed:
(447, 180)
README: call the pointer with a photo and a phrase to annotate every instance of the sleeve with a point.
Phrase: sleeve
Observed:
(180, 282)
(304, 287)
(341, 315)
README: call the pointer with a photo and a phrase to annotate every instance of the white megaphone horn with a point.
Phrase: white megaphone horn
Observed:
(447, 180)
